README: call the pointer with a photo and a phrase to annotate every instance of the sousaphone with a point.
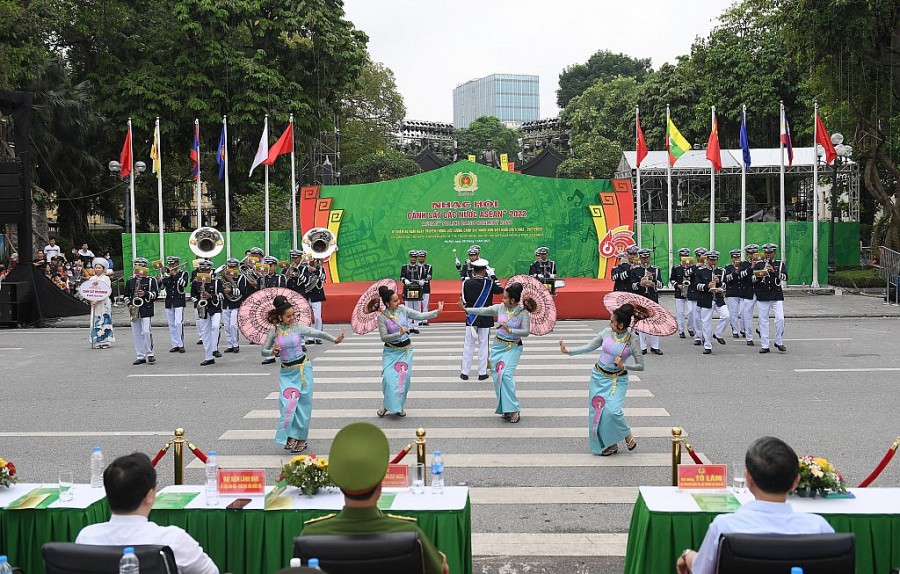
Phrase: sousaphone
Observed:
(206, 242)
(319, 243)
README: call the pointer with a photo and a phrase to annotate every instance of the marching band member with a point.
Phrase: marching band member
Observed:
(255, 255)
(102, 333)
(749, 301)
(543, 269)
(273, 278)
(285, 340)
(410, 275)
(314, 281)
(621, 273)
(513, 324)
(770, 297)
(174, 283)
(297, 264)
(397, 356)
(704, 282)
(645, 281)
(427, 272)
(681, 281)
(738, 285)
(233, 286)
(719, 306)
(143, 289)
(477, 292)
(207, 294)
(466, 271)
(694, 324)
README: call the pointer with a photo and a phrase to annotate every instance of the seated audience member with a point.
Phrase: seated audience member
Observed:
(772, 472)
(130, 483)
(357, 464)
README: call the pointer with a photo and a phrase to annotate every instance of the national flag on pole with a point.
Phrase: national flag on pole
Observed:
(195, 152)
(676, 145)
(745, 142)
(285, 144)
(220, 155)
(125, 158)
(262, 152)
(154, 153)
(713, 153)
(641, 142)
(786, 137)
(824, 140)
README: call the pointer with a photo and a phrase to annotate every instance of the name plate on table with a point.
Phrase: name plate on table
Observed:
(397, 476)
(701, 476)
(242, 481)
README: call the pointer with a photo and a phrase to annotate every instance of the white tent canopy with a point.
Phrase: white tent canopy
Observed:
(761, 160)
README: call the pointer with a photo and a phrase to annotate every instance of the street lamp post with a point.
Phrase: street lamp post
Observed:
(843, 156)
(115, 168)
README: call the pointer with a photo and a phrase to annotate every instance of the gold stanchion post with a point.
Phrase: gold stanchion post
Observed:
(420, 449)
(676, 453)
(178, 445)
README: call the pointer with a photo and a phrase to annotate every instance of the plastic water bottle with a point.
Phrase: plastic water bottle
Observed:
(437, 473)
(129, 563)
(212, 479)
(96, 468)
(295, 563)
(313, 564)
(5, 568)
(796, 570)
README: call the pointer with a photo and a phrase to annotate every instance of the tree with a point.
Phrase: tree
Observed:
(370, 113)
(379, 167)
(603, 66)
(485, 134)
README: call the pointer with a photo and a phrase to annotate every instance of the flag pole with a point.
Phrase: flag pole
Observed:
(266, 186)
(712, 192)
(131, 192)
(669, 182)
(637, 119)
(227, 191)
(815, 191)
(199, 196)
(293, 188)
(744, 185)
(781, 185)
(159, 193)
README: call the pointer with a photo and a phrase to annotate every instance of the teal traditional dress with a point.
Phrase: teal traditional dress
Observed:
(609, 383)
(102, 333)
(296, 378)
(506, 348)
(397, 357)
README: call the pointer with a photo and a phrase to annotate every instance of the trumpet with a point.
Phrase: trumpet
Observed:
(647, 280)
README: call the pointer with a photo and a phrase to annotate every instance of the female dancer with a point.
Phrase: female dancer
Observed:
(397, 357)
(609, 382)
(285, 340)
(513, 323)
(102, 326)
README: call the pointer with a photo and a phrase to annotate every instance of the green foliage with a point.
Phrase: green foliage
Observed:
(487, 133)
(856, 279)
(603, 66)
(251, 210)
(370, 113)
(379, 167)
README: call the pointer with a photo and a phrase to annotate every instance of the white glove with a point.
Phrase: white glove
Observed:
(490, 271)
(458, 264)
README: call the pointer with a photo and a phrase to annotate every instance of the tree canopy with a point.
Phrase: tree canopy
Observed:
(602, 66)
(487, 133)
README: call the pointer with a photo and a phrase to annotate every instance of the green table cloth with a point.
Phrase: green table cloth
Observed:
(665, 522)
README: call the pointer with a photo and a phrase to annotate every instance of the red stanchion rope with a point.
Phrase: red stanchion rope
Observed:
(881, 465)
(401, 454)
(690, 450)
(201, 456)
(162, 452)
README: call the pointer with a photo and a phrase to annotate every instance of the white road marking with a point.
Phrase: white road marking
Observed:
(43, 434)
(416, 394)
(860, 370)
(485, 412)
(507, 432)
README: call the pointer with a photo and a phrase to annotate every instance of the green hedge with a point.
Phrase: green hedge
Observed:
(856, 279)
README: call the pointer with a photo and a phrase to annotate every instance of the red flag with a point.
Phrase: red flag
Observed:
(713, 153)
(125, 158)
(823, 139)
(285, 144)
(641, 142)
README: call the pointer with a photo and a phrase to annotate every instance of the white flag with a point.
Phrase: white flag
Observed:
(262, 152)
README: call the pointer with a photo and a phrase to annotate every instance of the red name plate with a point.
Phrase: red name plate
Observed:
(701, 476)
(397, 476)
(242, 481)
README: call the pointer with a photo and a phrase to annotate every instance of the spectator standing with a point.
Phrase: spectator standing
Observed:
(85, 254)
(51, 250)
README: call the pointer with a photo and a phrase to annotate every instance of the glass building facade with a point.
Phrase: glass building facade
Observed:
(508, 97)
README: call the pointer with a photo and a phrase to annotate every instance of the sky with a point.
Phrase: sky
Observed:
(432, 46)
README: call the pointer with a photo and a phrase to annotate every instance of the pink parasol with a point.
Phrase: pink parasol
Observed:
(362, 321)
(543, 319)
(650, 317)
(253, 316)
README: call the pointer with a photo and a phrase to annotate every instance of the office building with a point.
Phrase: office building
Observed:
(511, 98)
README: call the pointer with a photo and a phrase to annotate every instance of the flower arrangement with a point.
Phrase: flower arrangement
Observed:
(309, 473)
(7, 473)
(817, 475)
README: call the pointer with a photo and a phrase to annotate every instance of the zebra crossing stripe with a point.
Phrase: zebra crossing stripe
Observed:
(482, 413)
(485, 394)
(579, 379)
(507, 432)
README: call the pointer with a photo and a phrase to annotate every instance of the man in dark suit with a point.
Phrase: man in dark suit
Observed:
(478, 291)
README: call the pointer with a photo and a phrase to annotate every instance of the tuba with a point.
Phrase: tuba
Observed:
(319, 243)
(206, 242)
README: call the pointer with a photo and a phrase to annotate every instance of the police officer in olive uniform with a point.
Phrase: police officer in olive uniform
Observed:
(357, 464)
(645, 281)
(770, 297)
(681, 281)
(427, 271)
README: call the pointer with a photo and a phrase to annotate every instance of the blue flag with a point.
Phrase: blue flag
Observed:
(745, 141)
(220, 155)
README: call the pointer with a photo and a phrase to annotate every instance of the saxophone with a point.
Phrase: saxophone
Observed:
(135, 304)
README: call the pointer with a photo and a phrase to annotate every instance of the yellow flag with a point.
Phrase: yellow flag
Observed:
(154, 154)
(471, 158)
(504, 162)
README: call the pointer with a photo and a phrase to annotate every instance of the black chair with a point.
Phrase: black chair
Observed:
(388, 553)
(70, 558)
(815, 553)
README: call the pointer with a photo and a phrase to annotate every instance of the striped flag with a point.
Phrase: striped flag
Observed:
(220, 154)
(676, 145)
(786, 137)
(154, 154)
(195, 151)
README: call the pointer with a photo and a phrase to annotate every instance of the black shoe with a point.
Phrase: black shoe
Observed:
(749, 343)
(200, 342)
(697, 343)
(236, 350)
(229, 350)
(217, 354)
(483, 377)
(707, 351)
(416, 331)
(303, 348)
(464, 376)
(151, 359)
(319, 341)
(174, 349)
(719, 340)
(656, 351)
(643, 351)
(268, 361)
(757, 331)
(691, 333)
(681, 335)
(781, 348)
(139, 362)
(764, 350)
(423, 324)
(736, 336)
(181, 349)
(743, 334)
(208, 362)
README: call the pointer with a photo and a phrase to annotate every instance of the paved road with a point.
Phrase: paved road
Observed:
(540, 502)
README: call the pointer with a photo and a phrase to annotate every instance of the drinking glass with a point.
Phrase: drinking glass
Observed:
(738, 481)
(418, 479)
(66, 484)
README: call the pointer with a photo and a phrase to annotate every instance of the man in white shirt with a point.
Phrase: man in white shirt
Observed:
(52, 250)
(85, 254)
(772, 472)
(130, 483)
